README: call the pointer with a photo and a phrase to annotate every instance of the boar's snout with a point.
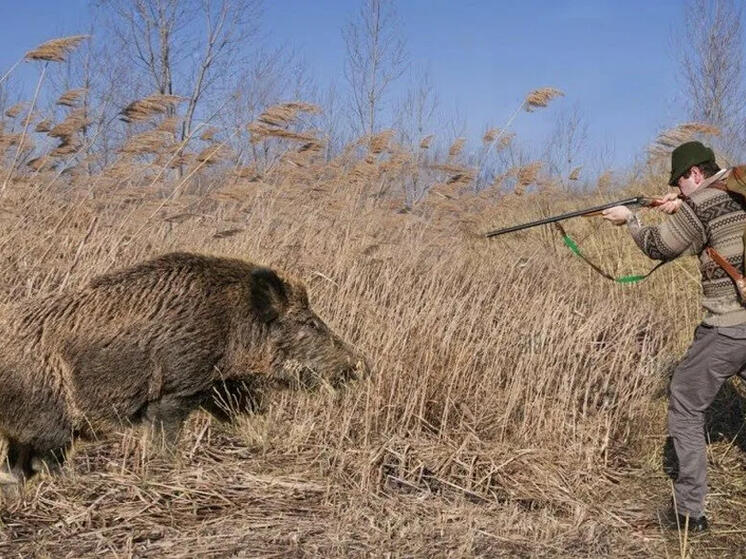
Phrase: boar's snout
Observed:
(308, 353)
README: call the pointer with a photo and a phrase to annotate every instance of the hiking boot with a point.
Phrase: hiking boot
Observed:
(672, 520)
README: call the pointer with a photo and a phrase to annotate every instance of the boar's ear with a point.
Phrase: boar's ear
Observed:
(269, 296)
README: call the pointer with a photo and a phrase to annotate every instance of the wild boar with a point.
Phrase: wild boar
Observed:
(150, 344)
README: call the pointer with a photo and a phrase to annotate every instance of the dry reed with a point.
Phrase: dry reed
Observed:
(73, 123)
(44, 125)
(491, 135)
(456, 147)
(150, 141)
(55, 50)
(16, 109)
(539, 98)
(283, 114)
(380, 142)
(209, 133)
(667, 140)
(514, 410)
(142, 109)
(71, 97)
(426, 141)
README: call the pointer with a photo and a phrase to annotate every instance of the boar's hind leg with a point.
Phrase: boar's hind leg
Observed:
(17, 463)
(166, 417)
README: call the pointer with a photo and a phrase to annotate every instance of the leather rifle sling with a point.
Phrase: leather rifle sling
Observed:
(721, 261)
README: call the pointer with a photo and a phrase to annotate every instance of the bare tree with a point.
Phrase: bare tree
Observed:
(376, 57)
(710, 68)
(415, 112)
(269, 77)
(190, 48)
(566, 142)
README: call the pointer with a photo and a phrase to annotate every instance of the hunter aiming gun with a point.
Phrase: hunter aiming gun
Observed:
(638, 201)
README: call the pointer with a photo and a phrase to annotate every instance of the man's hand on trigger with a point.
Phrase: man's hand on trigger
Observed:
(618, 215)
(671, 203)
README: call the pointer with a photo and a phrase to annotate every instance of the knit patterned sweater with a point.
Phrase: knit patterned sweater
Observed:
(710, 217)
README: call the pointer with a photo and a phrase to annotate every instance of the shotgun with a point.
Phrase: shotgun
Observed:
(637, 201)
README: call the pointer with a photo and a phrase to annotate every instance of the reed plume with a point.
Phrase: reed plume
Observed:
(150, 141)
(75, 121)
(456, 147)
(284, 113)
(491, 135)
(209, 133)
(142, 109)
(526, 175)
(71, 96)
(16, 109)
(44, 125)
(667, 140)
(379, 142)
(55, 50)
(426, 141)
(539, 98)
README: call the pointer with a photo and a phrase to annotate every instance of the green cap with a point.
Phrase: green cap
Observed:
(686, 156)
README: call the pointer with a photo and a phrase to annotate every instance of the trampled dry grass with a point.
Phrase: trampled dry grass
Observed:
(516, 409)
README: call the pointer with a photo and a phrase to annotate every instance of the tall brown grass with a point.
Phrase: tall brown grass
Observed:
(516, 406)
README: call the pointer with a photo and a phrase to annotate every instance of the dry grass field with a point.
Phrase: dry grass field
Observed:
(517, 405)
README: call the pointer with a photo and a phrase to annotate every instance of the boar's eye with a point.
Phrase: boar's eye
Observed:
(315, 324)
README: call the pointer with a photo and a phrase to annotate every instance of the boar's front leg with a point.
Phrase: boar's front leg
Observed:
(228, 398)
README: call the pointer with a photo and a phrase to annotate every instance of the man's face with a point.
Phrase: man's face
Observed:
(690, 181)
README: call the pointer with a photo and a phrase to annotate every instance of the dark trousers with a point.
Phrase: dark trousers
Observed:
(716, 354)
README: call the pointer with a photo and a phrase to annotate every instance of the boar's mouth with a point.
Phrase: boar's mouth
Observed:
(296, 376)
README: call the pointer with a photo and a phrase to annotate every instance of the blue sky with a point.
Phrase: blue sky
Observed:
(613, 60)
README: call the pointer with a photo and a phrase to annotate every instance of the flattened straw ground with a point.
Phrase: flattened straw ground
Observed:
(55, 50)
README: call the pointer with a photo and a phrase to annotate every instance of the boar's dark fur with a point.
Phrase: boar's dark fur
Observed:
(152, 343)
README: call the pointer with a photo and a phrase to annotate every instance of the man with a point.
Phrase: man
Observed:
(704, 216)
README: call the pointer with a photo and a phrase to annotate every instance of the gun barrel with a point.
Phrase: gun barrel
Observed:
(637, 201)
